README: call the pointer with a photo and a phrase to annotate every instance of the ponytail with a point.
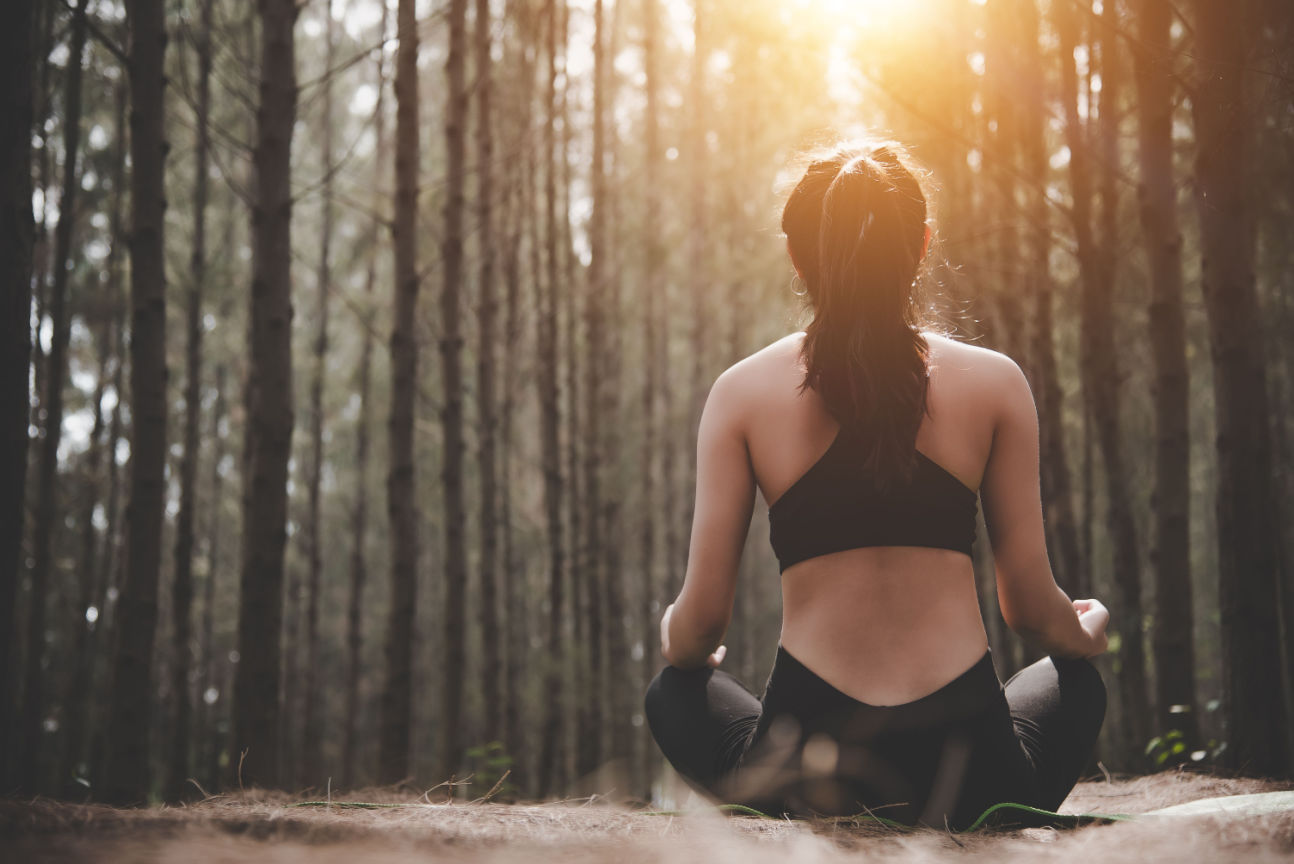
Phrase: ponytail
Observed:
(855, 226)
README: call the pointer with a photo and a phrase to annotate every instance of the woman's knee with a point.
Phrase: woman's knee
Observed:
(1082, 686)
(664, 690)
(653, 698)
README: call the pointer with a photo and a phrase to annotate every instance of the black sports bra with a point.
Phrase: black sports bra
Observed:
(833, 507)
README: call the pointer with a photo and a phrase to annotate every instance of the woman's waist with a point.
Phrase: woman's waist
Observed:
(884, 637)
(796, 690)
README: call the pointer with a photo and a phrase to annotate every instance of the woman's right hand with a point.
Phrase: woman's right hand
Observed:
(1093, 617)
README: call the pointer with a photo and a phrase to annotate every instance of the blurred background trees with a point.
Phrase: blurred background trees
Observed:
(589, 190)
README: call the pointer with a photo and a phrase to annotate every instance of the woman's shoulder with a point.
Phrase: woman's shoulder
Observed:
(780, 357)
(966, 366)
(748, 380)
(953, 355)
(989, 377)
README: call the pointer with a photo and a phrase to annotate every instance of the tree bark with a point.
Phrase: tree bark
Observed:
(552, 759)
(94, 565)
(207, 640)
(589, 678)
(290, 674)
(40, 247)
(110, 550)
(1057, 485)
(698, 260)
(515, 571)
(520, 201)
(310, 770)
(182, 593)
(619, 602)
(486, 375)
(1107, 399)
(30, 749)
(602, 409)
(451, 369)
(17, 235)
(359, 522)
(396, 719)
(999, 162)
(1173, 642)
(652, 588)
(1249, 586)
(127, 767)
(269, 401)
(1100, 371)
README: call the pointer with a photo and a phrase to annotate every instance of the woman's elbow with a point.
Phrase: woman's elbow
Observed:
(1026, 619)
(682, 661)
(692, 648)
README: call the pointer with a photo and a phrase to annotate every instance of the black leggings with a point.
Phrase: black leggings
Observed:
(808, 748)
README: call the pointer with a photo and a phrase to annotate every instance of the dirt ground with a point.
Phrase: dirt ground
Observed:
(261, 827)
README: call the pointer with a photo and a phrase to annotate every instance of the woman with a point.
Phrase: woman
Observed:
(870, 439)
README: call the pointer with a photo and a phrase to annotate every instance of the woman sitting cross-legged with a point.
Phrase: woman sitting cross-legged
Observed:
(871, 439)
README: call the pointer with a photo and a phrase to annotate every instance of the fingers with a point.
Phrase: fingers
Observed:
(1093, 617)
(716, 658)
(664, 630)
(1086, 606)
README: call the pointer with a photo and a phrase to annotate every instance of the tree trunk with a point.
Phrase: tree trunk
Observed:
(651, 284)
(127, 767)
(93, 564)
(40, 247)
(1272, 217)
(210, 677)
(737, 339)
(1173, 642)
(359, 523)
(269, 415)
(451, 368)
(552, 759)
(182, 593)
(16, 238)
(698, 260)
(602, 408)
(290, 673)
(487, 315)
(589, 678)
(1100, 370)
(110, 551)
(396, 720)
(1248, 543)
(311, 768)
(619, 602)
(520, 200)
(30, 749)
(515, 587)
(1057, 486)
(1107, 398)
(999, 162)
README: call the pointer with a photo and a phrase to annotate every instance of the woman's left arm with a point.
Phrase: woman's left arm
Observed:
(694, 625)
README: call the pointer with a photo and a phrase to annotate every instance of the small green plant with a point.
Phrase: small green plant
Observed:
(1166, 748)
(491, 766)
(1172, 748)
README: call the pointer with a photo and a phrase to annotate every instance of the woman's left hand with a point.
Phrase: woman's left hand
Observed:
(712, 661)
(664, 631)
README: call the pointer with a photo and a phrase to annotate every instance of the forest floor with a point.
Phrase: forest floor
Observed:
(276, 828)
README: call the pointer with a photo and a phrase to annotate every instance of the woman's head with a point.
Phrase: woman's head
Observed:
(856, 230)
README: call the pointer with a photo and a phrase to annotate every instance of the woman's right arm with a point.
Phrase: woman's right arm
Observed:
(1032, 604)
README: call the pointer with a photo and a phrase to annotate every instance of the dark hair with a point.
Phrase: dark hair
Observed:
(856, 228)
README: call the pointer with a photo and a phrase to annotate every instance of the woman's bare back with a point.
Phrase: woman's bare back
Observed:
(885, 625)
